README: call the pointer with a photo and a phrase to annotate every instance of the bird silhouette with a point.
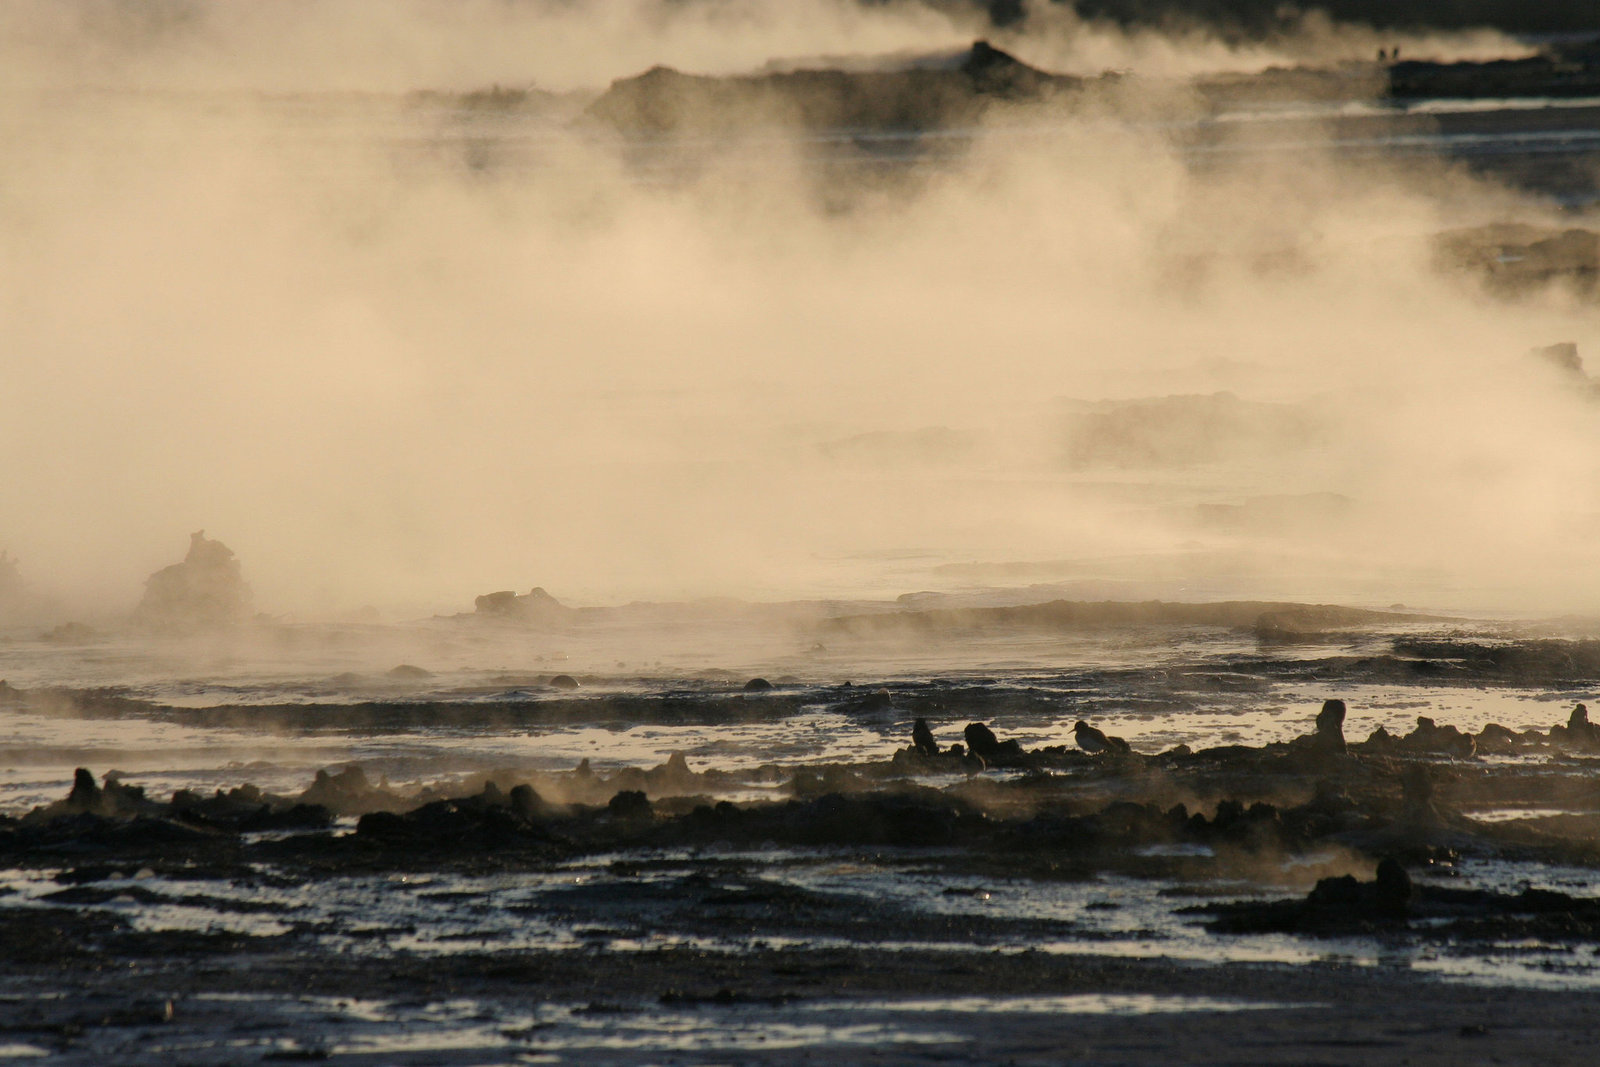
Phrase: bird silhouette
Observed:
(1095, 741)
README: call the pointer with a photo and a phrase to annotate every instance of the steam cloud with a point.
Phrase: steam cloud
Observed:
(394, 351)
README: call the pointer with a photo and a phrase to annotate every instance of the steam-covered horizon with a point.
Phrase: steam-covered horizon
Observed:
(372, 46)
(396, 350)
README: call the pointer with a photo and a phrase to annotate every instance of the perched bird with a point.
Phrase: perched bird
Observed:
(1095, 741)
(922, 739)
(981, 741)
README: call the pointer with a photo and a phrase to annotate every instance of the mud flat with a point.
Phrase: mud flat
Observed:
(773, 1006)
(1425, 896)
(470, 866)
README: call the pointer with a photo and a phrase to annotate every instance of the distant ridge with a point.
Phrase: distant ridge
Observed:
(1258, 17)
(664, 100)
(1267, 618)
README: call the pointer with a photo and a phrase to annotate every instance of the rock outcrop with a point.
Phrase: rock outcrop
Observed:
(536, 606)
(205, 591)
(928, 95)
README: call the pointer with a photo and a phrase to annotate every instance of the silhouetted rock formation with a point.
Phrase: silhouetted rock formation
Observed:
(1430, 738)
(349, 792)
(491, 819)
(114, 800)
(1329, 737)
(205, 591)
(536, 606)
(663, 100)
(1579, 734)
(922, 739)
(1339, 906)
(1386, 896)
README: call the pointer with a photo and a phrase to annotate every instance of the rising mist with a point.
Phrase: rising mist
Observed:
(398, 351)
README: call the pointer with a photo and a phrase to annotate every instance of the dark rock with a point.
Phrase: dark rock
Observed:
(1339, 906)
(349, 793)
(1495, 739)
(924, 96)
(114, 800)
(206, 590)
(874, 703)
(564, 681)
(1380, 741)
(757, 685)
(1329, 737)
(536, 606)
(294, 817)
(85, 795)
(247, 809)
(1579, 734)
(673, 776)
(471, 823)
(1429, 738)
(922, 739)
(631, 804)
(383, 824)
(1392, 887)
(526, 803)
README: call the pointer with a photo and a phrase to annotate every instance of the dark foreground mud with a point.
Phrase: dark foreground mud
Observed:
(773, 1006)
(967, 869)
(972, 901)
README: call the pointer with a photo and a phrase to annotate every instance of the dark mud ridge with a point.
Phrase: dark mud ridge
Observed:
(944, 92)
(549, 700)
(954, 92)
(1344, 905)
(1559, 71)
(1096, 805)
(1268, 620)
(1263, 18)
(682, 866)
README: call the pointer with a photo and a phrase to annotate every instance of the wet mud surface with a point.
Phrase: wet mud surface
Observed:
(1006, 880)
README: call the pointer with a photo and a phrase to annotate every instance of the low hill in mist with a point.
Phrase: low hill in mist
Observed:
(662, 99)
